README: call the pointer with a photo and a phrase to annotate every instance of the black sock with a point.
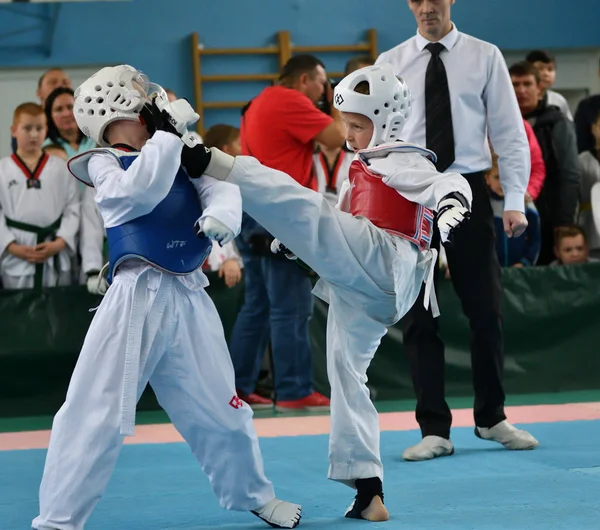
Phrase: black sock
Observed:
(366, 488)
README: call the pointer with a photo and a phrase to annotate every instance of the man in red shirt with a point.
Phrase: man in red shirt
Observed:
(279, 128)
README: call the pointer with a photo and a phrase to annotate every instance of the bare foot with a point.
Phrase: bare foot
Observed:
(376, 511)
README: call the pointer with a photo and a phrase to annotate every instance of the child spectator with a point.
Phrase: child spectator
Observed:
(546, 65)
(515, 251)
(39, 208)
(571, 246)
(225, 259)
(589, 208)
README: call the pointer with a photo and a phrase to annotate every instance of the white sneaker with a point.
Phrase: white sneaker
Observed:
(280, 514)
(508, 435)
(428, 448)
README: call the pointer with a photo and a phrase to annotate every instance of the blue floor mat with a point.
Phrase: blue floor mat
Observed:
(483, 486)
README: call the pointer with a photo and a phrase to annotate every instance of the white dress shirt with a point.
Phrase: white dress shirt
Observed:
(483, 104)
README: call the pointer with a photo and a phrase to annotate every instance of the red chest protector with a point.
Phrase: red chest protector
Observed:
(386, 208)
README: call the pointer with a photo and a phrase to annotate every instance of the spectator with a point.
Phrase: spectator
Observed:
(64, 132)
(39, 209)
(62, 127)
(224, 137)
(332, 166)
(537, 176)
(280, 128)
(51, 80)
(227, 262)
(590, 177)
(171, 96)
(585, 115)
(512, 251)
(461, 90)
(56, 150)
(226, 259)
(557, 202)
(546, 65)
(595, 204)
(571, 246)
(356, 63)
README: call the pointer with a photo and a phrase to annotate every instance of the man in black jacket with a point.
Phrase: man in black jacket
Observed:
(558, 201)
(585, 115)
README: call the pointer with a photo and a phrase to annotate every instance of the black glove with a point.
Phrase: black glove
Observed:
(195, 160)
(157, 120)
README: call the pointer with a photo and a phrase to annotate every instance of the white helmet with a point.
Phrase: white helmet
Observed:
(387, 105)
(113, 93)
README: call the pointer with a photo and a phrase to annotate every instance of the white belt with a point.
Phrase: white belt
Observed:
(140, 336)
(430, 297)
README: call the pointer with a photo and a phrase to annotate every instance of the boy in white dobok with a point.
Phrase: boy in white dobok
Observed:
(156, 323)
(372, 253)
(39, 209)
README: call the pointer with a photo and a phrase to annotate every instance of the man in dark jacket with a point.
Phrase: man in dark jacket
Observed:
(585, 115)
(558, 201)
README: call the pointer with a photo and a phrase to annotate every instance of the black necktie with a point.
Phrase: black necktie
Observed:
(438, 114)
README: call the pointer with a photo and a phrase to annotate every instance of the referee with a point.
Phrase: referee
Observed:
(462, 94)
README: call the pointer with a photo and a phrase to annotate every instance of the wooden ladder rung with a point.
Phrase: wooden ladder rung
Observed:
(237, 51)
(333, 48)
(224, 104)
(283, 49)
(240, 77)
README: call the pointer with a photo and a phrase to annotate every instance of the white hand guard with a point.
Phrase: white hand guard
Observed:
(97, 285)
(214, 229)
(277, 247)
(451, 214)
(181, 116)
(220, 164)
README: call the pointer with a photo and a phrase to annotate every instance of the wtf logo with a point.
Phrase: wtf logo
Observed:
(175, 244)
(339, 99)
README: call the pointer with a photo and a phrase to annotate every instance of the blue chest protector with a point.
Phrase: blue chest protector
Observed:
(165, 237)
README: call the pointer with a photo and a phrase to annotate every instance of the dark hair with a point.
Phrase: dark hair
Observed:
(363, 88)
(53, 133)
(41, 79)
(568, 231)
(220, 135)
(356, 62)
(542, 56)
(525, 68)
(298, 65)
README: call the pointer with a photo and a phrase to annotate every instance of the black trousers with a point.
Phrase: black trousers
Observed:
(547, 248)
(477, 279)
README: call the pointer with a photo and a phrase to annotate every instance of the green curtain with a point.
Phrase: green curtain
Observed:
(551, 322)
(551, 336)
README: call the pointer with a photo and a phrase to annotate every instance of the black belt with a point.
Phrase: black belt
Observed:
(42, 232)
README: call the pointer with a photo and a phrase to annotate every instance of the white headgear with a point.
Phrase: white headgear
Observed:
(387, 105)
(113, 93)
